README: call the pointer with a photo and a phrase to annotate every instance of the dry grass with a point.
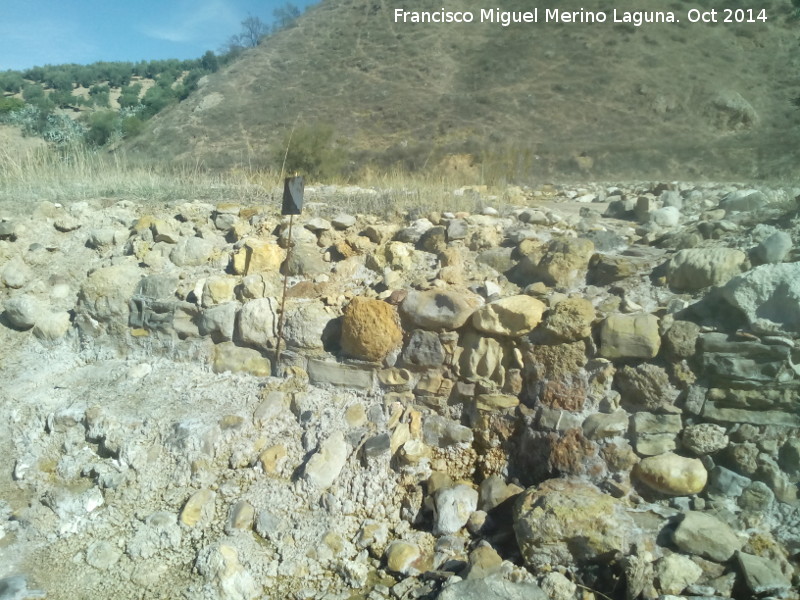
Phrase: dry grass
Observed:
(33, 175)
(79, 174)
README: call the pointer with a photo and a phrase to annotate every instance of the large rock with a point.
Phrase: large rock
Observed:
(680, 340)
(675, 572)
(773, 249)
(325, 465)
(768, 296)
(493, 587)
(304, 260)
(401, 556)
(630, 336)
(564, 263)
(672, 474)
(645, 387)
(257, 322)
(704, 438)
(704, 535)
(370, 329)
(229, 357)
(693, 269)
(569, 320)
(218, 322)
(51, 326)
(513, 316)
(482, 358)
(15, 273)
(192, 252)
(452, 508)
(256, 256)
(744, 200)
(218, 289)
(744, 364)
(762, 575)
(105, 293)
(565, 522)
(23, 311)
(323, 372)
(424, 349)
(305, 325)
(438, 310)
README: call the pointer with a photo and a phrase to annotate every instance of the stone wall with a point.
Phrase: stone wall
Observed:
(593, 389)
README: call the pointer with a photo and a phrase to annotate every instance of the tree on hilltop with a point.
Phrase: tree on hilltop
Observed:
(285, 16)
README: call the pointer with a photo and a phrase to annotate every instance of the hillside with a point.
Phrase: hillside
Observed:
(547, 99)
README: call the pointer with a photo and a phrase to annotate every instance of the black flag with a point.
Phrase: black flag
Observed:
(293, 195)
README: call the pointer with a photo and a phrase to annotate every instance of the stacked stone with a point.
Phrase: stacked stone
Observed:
(557, 390)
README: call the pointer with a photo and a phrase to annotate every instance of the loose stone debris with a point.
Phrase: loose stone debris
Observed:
(589, 393)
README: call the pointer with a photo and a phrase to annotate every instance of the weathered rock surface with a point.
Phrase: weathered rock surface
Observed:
(630, 336)
(564, 263)
(704, 535)
(569, 522)
(452, 508)
(672, 474)
(438, 310)
(570, 320)
(513, 316)
(768, 296)
(325, 465)
(492, 588)
(370, 329)
(257, 323)
(22, 311)
(695, 268)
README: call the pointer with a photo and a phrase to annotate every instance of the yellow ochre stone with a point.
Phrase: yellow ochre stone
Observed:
(672, 474)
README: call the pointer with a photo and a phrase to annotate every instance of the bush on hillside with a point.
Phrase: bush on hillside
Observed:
(157, 98)
(311, 151)
(11, 81)
(65, 99)
(131, 126)
(102, 126)
(100, 96)
(34, 95)
(209, 62)
(130, 95)
(9, 105)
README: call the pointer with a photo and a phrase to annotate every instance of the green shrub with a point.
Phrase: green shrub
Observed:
(64, 99)
(11, 81)
(209, 62)
(311, 151)
(130, 95)
(59, 79)
(102, 125)
(99, 95)
(157, 98)
(34, 95)
(132, 126)
(9, 105)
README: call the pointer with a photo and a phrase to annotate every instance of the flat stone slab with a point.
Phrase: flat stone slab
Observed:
(712, 412)
(762, 575)
(321, 372)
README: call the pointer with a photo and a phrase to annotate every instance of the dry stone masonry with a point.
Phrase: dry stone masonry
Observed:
(580, 393)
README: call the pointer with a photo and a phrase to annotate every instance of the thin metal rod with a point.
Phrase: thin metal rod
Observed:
(283, 298)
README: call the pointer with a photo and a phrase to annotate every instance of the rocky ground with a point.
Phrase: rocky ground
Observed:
(579, 393)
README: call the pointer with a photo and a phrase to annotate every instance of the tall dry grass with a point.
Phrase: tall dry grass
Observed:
(70, 175)
(59, 175)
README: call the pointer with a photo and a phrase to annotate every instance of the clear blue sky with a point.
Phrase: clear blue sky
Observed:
(39, 32)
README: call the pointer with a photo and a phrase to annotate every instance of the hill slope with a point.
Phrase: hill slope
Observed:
(546, 99)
